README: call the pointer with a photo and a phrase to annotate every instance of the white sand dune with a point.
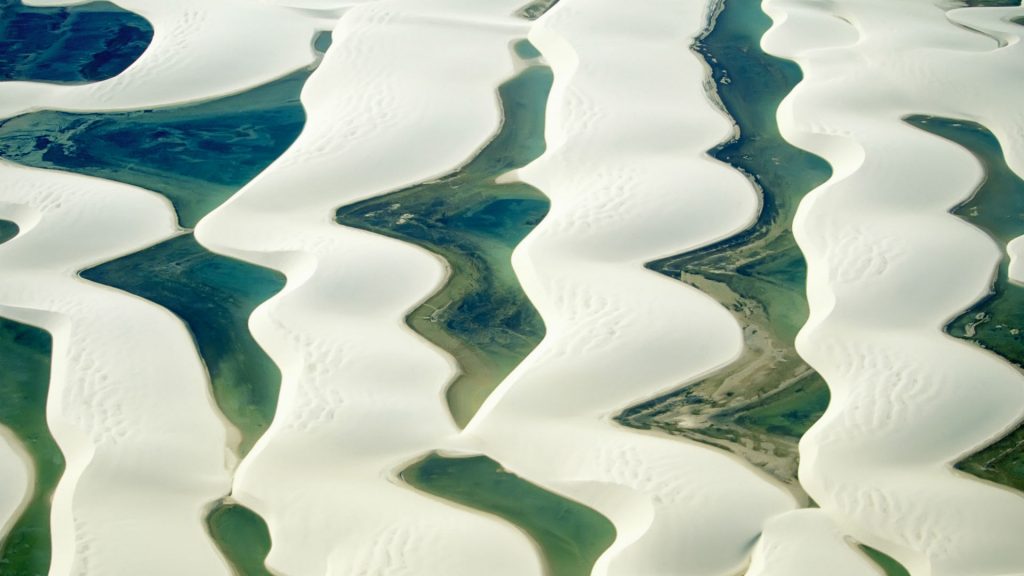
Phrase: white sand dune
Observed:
(406, 93)
(15, 490)
(629, 180)
(194, 56)
(129, 401)
(889, 266)
(807, 542)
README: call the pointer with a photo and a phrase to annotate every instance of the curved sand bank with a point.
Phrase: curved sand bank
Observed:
(629, 181)
(129, 404)
(17, 486)
(193, 56)
(889, 266)
(361, 395)
(807, 542)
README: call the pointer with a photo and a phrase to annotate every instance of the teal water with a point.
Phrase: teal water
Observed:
(8, 230)
(24, 384)
(214, 296)
(481, 316)
(759, 406)
(996, 322)
(322, 41)
(570, 535)
(86, 43)
(197, 155)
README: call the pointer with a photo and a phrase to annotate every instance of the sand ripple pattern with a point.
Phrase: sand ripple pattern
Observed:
(629, 181)
(130, 404)
(362, 396)
(888, 266)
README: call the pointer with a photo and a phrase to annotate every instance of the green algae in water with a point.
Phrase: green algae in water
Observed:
(759, 406)
(71, 45)
(570, 535)
(8, 230)
(481, 316)
(214, 295)
(197, 155)
(997, 321)
(888, 565)
(24, 384)
(242, 537)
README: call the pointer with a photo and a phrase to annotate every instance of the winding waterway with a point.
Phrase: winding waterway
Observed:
(481, 316)
(570, 536)
(760, 405)
(996, 322)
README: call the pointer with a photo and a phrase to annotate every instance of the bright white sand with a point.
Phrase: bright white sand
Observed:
(629, 180)
(16, 488)
(129, 400)
(889, 266)
(807, 542)
(407, 92)
(195, 55)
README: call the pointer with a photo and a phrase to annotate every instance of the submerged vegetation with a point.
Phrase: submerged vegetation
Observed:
(24, 384)
(536, 9)
(481, 316)
(570, 535)
(760, 405)
(72, 45)
(996, 322)
(196, 155)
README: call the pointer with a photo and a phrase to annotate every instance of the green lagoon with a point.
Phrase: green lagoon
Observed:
(8, 230)
(481, 316)
(760, 405)
(996, 322)
(197, 156)
(214, 296)
(888, 564)
(62, 45)
(73, 45)
(24, 384)
(242, 537)
(570, 535)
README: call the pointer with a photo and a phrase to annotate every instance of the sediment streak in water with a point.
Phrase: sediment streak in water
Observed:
(759, 405)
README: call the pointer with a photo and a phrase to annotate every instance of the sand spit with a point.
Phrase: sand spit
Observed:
(807, 542)
(129, 401)
(889, 266)
(362, 396)
(193, 56)
(629, 181)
